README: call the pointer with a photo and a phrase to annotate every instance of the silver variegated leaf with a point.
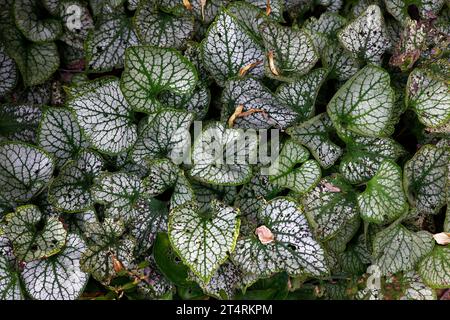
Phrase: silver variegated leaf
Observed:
(249, 17)
(205, 193)
(434, 268)
(8, 73)
(204, 240)
(9, 281)
(19, 122)
(340, 63)
(416, 289)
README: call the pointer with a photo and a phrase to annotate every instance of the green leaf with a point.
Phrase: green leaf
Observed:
(253, 95)
(249, 16)
(416, 288)
(364, 104)
(104, 116)
(293, 248)
(364, 156)
(366, 36)
(276, 8)
(221, 156)
(425, 177)
(228, 47)
(293, 51)
(165, 135)
(8, 73)
(24, 171)
(120, 192)
(59, 277)
(60, 135)
(203, 240)
(34, 28)
(100, 7)
(314, 134)
(19, 122)
(9, 281)
(205, 193)
(33, 236)
(71, 190)
(429, 96)
(435, 268)
(323, 30)
(398, 249)
(383, 200)
(301, 94)
(284, 171)
(331, 205)
(149, 71)
(106, 44)
(161, 29)
(107, 246)
(340, 63)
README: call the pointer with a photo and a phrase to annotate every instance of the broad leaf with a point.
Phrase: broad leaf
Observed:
(292, 51)
(314, 134)
(105, 117)
(285, 173)
(364, 104)
(228, 47)
(398, 249)
(250, 17)
(71, 190)
(19, 122)
(24, 170)
(429, 96)
(161, 29)
(203, 240)
(366, 36)
(323, 30)
(8, 73)
(59, 277)
(60, 135)
(425, 177)
(260, 107)
(340, 64)
(292, 249)
(383, 200)
(205, 193)
(223, 156)
(196, 102)
(9, 281)
(435, 267)
(106, 44)
(31, 242)
(149, 71)
(331, 205)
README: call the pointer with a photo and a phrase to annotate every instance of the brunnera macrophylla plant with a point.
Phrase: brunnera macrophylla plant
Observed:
(277, 149)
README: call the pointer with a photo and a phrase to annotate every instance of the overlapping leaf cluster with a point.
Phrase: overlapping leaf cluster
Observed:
(100, 198)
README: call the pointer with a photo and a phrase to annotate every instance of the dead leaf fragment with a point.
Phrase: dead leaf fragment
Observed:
(238, 113)
(272, 66)
(442, 238)
(264, 235)
(203, 5)
(331, 188)
(117, 265)
(268, 8)
(245, 69)
(187, 4)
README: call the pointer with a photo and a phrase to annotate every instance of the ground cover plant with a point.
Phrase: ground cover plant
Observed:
(112, 112)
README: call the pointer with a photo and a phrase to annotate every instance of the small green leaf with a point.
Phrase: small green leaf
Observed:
(364, 104)
(435, 268)
(398, 249)
(59, 277)
(383, 200)
(203, 241)
(31, 242)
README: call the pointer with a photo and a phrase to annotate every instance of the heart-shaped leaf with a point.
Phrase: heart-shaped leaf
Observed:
(383, 200)
(249, 17)
(260, 108)
(166, 135)
(364, 156)
(416, 288)
(292, 249)
(228, 47)
(398, 249)
(323, 30)
(425, 177)
(331, 204)
(399, 9)
(8, 72)
(429, 96)
(162, 29)
(364, 104)
(106, 44)
(24, 170)
(19, 122)
(33, 236)
(341, 65)
(9, 281)
(108, 251)
(435, 267)
(34, 28)
(366, 36)
(314, 134)
(196, 103)
(71, 190)
(203, 240)
(205, 193)
(285, 173)
(104, 116)
(149, 71)
(60, 135)
(300, 95)
(59, 277)
(222, 156)
(292, 51)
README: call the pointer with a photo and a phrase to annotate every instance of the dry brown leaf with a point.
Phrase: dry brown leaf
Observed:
(245, 69)
(187, 4)
(264, 235)
(442, 238)
(272, 66)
